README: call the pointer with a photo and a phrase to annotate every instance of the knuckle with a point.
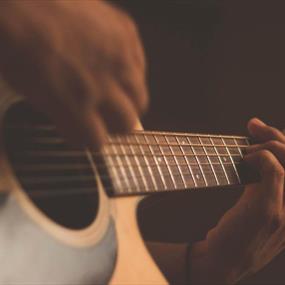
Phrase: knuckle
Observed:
(273, 145)
(270, 164)
(266, 156)
(273, 132)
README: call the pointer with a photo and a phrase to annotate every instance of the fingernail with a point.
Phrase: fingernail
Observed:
(257, 121)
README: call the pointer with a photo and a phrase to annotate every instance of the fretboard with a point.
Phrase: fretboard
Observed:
(145, 162)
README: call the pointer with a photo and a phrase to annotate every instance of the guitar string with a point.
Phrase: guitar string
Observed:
(135, 132)
(107, 166)
(188, 136)
(118, 165)
(112, 140)
(53, 192)
(134, 191)
(111, 167)
(118, 152)
(131, 190)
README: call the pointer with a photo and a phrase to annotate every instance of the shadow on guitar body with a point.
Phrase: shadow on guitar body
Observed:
(161, 220)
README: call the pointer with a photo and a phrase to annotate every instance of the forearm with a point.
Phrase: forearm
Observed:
(182, 264)
(202, 269)
(172, 260)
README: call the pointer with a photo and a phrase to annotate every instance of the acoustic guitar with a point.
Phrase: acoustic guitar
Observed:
(68, 216)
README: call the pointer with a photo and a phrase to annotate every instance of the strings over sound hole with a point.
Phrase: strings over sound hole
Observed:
(57, 177)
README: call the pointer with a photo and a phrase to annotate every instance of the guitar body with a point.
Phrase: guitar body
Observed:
(36, 250)
(134, 264)
(61, 222)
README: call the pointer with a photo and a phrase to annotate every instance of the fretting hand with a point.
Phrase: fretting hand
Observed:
(251, 233)
(81, 62)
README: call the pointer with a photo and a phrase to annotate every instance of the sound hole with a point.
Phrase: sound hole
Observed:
(57, 177)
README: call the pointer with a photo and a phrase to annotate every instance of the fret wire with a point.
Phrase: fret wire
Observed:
(149, 168)
(163, 176)
(123, 171)
(163, 158)
(158, 167)
(160, 190)
(209, 162)
(119, 181)
(114, 173)
(139, 168)
(163, 173)
(130, 168)
(203, 175)
(178, 166)
(188, 165)
(219, 157)
(241, 154)
(234, 166)
(247, 141)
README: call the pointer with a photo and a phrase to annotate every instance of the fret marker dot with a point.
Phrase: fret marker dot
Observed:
(225, 159)
(159, 159)
(197, 176)
(183, 142)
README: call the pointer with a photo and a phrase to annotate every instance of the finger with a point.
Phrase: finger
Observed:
(136, 49)
(117, 111)
(272, 178)
(84, 128)
(134, 84)
(262, 132)
(276, 147)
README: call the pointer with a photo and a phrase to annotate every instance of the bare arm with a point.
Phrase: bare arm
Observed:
(172, 259)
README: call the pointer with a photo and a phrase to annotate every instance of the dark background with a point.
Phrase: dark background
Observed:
(212, 65)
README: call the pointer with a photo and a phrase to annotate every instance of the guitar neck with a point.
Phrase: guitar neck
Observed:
(148, 162)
